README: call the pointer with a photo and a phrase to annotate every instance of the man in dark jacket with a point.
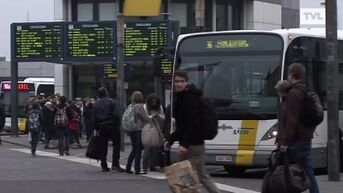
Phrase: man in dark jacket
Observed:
(106, 122)
(187, 111)
(295, 137)
(2, 118)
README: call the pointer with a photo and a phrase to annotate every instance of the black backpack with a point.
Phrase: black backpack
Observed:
(313, 109)
(208, 120)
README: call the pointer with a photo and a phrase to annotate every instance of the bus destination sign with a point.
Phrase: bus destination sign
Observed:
(37, 41)
(227, 44)
(143, 38)
(90, 41)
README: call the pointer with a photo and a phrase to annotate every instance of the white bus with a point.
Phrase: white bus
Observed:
(43, 86)
(237, 71)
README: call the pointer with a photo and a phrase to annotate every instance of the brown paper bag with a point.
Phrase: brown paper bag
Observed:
(182, 178)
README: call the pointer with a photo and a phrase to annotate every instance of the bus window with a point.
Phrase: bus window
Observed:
(46, 89)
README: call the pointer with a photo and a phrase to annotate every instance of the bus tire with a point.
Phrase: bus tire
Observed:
(235, 170)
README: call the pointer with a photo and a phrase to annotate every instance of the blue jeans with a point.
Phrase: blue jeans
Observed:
(300, 152)
(136, 151)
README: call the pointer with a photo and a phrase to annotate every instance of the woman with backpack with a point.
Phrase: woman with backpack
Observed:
(62, 114)
(154, 155)
(135, 114)
(35, 125)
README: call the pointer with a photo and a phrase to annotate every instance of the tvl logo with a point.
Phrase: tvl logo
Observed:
(312, 16)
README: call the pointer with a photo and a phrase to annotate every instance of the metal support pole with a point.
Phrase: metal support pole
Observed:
(120, 66)
(332, 90)
(70, 82)
(14, 98)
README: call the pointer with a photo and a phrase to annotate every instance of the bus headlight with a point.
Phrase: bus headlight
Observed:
(271, 133)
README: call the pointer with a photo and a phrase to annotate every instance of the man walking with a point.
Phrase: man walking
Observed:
(294, 137)
(106, 122)
(187, 110)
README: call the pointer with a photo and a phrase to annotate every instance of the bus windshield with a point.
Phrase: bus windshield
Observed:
(237, 72)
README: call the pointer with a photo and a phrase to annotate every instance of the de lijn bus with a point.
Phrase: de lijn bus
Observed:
(25, 91)
(237, 72)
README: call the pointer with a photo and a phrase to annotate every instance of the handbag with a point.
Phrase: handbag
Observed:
(182, 178)
(284, 177)
(151, 136)
(94, 148)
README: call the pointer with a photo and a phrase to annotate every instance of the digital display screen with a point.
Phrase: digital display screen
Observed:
(109, 71)
(21, 87)
(141, 39)
(91, 40)
(227, 44)
(39, 41)
(166, 67)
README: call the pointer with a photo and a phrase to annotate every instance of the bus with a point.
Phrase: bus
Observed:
(25, 91)
(237, 72)
(43, 86)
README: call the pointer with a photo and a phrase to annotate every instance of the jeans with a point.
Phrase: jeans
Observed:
(196, 155)
(34, 141)
(109, 133)
(63, 139)
(136, 151)
(300, 152)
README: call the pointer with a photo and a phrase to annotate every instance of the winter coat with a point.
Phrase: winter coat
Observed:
(105, 114)
(141, 116)
(292, 110)
(187, 111)
(48, 118)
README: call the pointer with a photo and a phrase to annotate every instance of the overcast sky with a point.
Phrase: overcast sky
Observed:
(43, 10)
(316, 4)
(21, 11)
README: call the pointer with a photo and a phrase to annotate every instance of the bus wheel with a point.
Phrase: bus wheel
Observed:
(235, 170)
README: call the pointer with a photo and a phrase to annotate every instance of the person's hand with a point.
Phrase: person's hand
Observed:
(167, 146)
(283, 148)
(183, 152)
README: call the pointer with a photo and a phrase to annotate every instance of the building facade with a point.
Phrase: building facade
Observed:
(83, 79)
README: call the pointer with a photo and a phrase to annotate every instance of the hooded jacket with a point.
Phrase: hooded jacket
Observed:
(292, 111)
(186, 112)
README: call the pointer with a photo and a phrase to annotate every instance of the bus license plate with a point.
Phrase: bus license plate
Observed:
(223, 158)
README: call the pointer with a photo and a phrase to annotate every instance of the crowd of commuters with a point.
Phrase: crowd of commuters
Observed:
(76, 125)
(67, 121)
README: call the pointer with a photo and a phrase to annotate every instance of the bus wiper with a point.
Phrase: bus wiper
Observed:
(203, 67)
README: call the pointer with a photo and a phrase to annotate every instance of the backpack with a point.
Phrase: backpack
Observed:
(128, 120)
(61, 119)
(208, 120)
(313, 109)
(33, 121)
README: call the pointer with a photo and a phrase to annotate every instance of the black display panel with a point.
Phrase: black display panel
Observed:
(143, 38)
(37, 41)
(109, 71)
(91, 41)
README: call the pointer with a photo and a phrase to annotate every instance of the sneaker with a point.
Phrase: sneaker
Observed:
(79, 145)
(117, 168)
(33, 154)
(67, 153)
(105, 169)
(129, 171)
(140, 173)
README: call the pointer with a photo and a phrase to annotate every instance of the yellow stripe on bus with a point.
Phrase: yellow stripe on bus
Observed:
(246, 147)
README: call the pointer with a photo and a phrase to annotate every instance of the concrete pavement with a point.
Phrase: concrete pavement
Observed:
(325, 185)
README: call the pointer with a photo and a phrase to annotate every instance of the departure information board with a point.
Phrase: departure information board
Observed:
(109, 71)
(37, 41)
(143, 38)
(91, 41)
